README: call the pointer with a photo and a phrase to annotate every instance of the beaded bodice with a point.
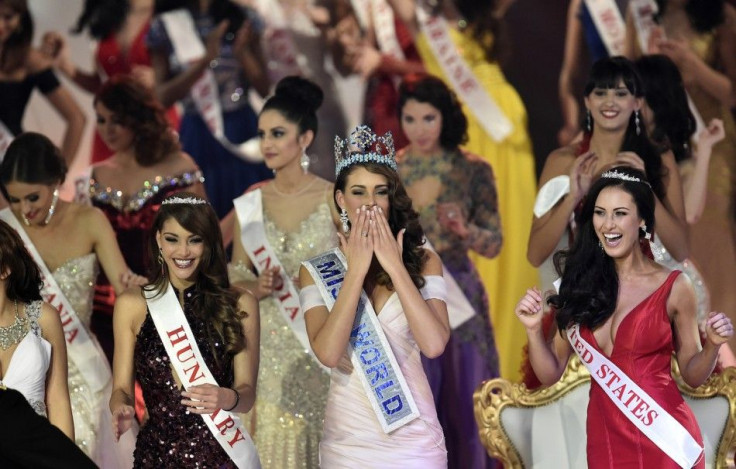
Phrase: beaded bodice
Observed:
(76, 278)
(173, 437)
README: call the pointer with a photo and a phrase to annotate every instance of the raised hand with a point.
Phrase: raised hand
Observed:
(581, 175)
(629, 158)
(207, 398)
(358, 246)
(131, 279)
(711, 135)
(452, 218)
(718, 328)
(54, 46)
(530, 310)
(268, 281)
(387, 248)
(214, 41)
(122, 420)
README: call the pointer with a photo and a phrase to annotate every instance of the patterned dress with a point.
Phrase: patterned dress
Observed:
(173, 437)
(292, 388)
(468, 181)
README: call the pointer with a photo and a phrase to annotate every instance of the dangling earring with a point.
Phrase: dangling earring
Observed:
(588, 123)
(647, 235)
(25, 220)
(160, 260)
(345, 221)
(636, 122)
(600, 245)
(52, 208)
(304, 161)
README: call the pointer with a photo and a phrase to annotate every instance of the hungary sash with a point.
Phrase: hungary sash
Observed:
(249, 210)
(370, 351)
(187, 361)
(188, 48)
(640, 408)
(81, 348)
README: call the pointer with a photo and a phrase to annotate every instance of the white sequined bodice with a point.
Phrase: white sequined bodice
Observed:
(76, 278)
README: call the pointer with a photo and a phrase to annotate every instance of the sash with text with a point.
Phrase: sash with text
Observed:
(609, 23)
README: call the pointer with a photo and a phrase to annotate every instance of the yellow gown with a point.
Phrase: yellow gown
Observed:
(507, 276)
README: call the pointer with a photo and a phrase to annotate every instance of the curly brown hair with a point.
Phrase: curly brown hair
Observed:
(214, 300)
(135, 107)
(400, 215)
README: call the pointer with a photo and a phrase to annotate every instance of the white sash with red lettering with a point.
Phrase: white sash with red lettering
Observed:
(640, 408)
(187, 361)
(284, 57)
(6, 137)
(188, 48)
(249, 210)
(81, 348)
(383, 24)
(609, 23)
(461, 77)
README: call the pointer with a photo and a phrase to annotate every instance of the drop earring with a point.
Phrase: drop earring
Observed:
(345, 221)
(52, 208)
(636, 122)
(647, 235)
(304, 161)
(588, 123)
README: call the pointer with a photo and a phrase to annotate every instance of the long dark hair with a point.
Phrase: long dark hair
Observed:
(589, 289)
(704, 15)
(400, 215)
(16, 47)
(102, 17)
(606, 73)
(213, 299)
(23, 283)
(297, 100)
(485, 27)
(33, 159)
(664, 91)
(135, 107)
(433, 91)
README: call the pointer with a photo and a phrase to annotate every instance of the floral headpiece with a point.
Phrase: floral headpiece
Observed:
(616, 174)
(184, 200)
(363, 146)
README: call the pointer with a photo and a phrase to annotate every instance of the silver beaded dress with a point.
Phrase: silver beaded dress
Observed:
(287, 418)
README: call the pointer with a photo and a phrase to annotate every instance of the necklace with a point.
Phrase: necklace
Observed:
(14, 333)
(291, 194)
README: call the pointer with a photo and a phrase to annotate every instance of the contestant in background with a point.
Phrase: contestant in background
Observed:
(23, 69)
(231, 66)
(192, 273)
(627, 315)
(33, 329)
(128, 187)
(455, 195)
(71, 241)
(470, 35)
(294, 218)
(120, 28)
(700, 38)
(393, 288)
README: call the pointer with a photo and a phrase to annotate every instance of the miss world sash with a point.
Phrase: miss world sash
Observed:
(249, 210)
(461, 77)
(640, 408)
(191, 369)
(609, 23)
(81, 348)
(370, 352)
(188, 47)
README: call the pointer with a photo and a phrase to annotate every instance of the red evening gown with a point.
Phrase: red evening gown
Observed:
(642, 349)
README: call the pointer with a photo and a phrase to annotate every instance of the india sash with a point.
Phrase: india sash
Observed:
(609, 23)
(640, 408)
(249, 210)
(188, 48)
(81, 348)
(187, 361)
(370, 351)
(6, 137)
(461, 77)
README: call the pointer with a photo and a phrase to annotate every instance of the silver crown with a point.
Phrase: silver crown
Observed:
(615, 174)
(184, 200)
(363, 146)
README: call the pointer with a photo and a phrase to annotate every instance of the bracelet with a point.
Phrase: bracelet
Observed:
(237, 400)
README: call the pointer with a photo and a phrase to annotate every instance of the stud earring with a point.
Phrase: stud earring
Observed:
(304, 161)
(588, 121)
(636, 122)
(345, 221)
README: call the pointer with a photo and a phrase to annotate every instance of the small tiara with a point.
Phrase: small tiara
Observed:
(184, 200)
(615, 174)
(364, 146)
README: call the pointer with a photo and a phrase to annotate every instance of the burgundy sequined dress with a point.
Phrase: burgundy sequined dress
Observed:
(131, 218)
(173, 437)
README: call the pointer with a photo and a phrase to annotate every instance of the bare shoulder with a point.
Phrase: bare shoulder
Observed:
(179, 162)
(49, 320)
(432, 263)
(89, 215)
(131, 303)
(247, 303)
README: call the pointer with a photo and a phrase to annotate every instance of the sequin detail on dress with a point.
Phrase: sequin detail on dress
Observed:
(110, 196)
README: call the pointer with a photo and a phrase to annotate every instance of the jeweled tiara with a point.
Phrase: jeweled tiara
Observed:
(184, 200)
(364, 146)
(615, 174)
